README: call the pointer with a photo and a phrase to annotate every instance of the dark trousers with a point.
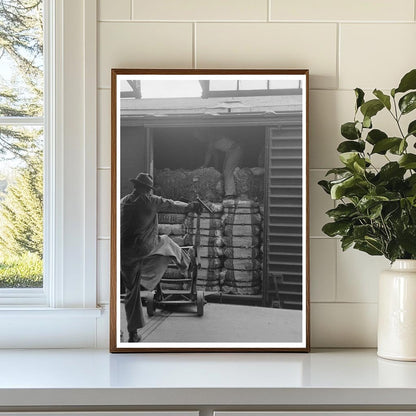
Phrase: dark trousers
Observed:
(133, 305)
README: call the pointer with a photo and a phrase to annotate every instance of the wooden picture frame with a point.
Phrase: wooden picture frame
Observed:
(245, 233)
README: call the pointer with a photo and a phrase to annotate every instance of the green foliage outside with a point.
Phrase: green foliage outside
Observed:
(21, 214)
(21, 148)
(21, 271)
(376, 212)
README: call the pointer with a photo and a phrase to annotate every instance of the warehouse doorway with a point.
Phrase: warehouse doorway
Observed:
(231, 238)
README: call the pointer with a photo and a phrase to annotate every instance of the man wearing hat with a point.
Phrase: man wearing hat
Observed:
(144, 254)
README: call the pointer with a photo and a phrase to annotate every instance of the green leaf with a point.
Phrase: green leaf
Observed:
(336, 228)
(359, 165)
(393, 250)
(371, 108)
(348, 158)
(349, 131)
(338, 171)
(391, 170)
(375, 136)
(325, 186)
(408, 161)
(369, 201)
(399, 148)
(359, 95)
(368, 248)
(408, 102)
(407, 240)
(408, 82)
(361, 231)
(411, 130)
(342, 211)
(375, 212)
(349, 146)
(385, 144)
(367, 122)
(385, 99)
(342, 187)
(346, 242)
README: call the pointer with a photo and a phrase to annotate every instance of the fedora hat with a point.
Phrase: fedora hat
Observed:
(143, 179)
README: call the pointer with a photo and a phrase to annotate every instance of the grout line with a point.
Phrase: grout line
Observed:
(104, 168)
(338, 56)
(188, 21)
(344, 303)
(336, 270)
(269, 10)
(414, 9)
(310, 22)
(319, 169)
(131, 9)
(101, 238)
(194, 63)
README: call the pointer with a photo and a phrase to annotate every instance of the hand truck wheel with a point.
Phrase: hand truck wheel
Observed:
(150, 304)
(200, 302)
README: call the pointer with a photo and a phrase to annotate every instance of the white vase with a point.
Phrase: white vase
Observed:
(397, 312)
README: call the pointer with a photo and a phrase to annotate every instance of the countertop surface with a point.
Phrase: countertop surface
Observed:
(91, 377)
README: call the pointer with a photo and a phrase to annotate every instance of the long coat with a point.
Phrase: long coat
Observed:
(139, 239)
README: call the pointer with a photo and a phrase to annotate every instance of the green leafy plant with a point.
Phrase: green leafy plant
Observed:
(376, 212)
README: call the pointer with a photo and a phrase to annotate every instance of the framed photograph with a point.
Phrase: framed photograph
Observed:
(209, 211)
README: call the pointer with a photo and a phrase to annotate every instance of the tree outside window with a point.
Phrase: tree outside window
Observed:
(21, 143)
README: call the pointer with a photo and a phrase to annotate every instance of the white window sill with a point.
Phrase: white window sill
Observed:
(40, 327)
(39, 311)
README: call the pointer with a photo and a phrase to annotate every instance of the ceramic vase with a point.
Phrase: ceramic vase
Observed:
(397, 312)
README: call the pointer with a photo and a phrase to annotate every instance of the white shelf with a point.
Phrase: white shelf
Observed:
(57, 378)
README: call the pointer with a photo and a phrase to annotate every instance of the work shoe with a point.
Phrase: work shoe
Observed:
(134, 337)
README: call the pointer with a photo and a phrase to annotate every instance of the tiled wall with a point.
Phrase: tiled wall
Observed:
(344, 43)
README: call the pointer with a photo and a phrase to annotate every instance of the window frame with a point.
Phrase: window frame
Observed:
(68, 298)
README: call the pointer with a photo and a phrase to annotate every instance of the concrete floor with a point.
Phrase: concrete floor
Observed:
(220, 323)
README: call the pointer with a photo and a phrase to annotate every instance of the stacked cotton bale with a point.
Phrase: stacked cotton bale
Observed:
(171, 223)
(249, 183)
(205, 232)
(242, 274)
(178, 184)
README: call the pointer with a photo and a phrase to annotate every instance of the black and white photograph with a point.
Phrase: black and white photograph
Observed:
(209, 244)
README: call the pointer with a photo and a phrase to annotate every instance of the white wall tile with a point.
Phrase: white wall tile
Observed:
(357, 275)
(200, 10)
(376, 55)
(259, 45)
(342, 10)
(103, 271)
(142, 45)
(327, 111)
(346, 325)
(319, 203)
(323, 269)
(104, 129)
(104, 202)
(114, 10)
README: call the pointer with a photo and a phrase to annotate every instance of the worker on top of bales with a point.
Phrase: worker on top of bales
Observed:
(144, 254)
(233, 155)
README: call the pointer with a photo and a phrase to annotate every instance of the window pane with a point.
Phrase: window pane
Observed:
(253, 85)
(222, 85)
(21, 207)
(284, 84)
(21, 58)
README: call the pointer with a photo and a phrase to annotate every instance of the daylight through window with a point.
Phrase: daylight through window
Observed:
(21, 143)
